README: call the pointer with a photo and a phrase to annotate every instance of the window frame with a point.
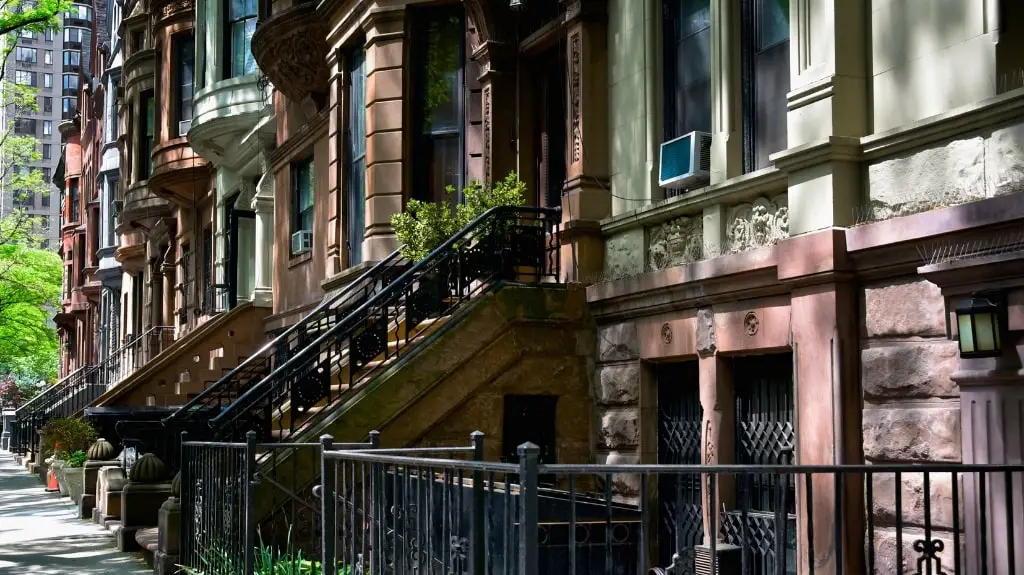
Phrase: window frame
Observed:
(302, 170)
(146, 134)
(355, 156)
(47, 127)
(751, 20)
(230, 21)
(184, 56)
(47, 80)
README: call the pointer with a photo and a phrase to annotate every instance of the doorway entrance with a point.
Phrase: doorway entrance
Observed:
(680, 525)
(550, 136)
(241, 249)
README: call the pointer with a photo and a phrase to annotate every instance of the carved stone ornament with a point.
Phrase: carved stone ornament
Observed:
(173, 7)
(679, 241)
(289, 47)
(759, 224)
(707, 343)
(666, 334)
(751, 323)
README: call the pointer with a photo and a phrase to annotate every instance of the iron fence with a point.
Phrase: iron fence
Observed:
(67, 398)
(244, 503)
(407, 511)
(134, 353)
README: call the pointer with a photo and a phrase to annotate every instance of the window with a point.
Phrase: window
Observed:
(48, 57)
(438, 95)
(69, 107)
(138, 40)
(48, 35)
(765, 57)
(241, 23)
(687, 57)
(356, 154)
(25, 127)
(28, 33)
(47, 80)
(47, 127)
(46, 151)
(74, 35)
(185, 52)
(71, 82)
(26, 55)
(73, 207)
(46, 204)
(145, 136)
(303, 187)
(112, 124)
(47, 103)
(72, 58)
(25, 78)
(47, 174)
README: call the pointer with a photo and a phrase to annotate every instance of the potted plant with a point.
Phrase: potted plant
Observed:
(74, 480)
(64, 439)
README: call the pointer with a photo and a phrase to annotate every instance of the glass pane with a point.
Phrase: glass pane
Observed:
(242, 9)
(965, 333)
(695, 17)
(441, 85)
(444, 167)
(985, 331)
(357, 110)
(242, 60)
(772, 22)
(356, 219)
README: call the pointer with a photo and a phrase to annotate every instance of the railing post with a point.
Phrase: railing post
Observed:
(250, 489)
(328, 498)
(477, 540)
(374, 439)
(529, 454)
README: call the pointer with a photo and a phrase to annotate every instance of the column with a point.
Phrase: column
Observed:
(263, 205)
(717, 437)
(337, 104)
(726, 92)
(828, 401)
(385, 38)
(587, 196)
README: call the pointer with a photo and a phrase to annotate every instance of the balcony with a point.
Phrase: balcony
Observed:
(290, 47)
(225, 112)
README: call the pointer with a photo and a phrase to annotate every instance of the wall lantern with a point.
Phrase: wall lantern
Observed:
(515, 4)
(979, 324)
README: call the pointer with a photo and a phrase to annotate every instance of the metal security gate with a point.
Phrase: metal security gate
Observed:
(764, 436)
(679, 418)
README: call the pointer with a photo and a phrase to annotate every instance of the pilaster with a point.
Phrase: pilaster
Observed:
(337, 104)
(497, 99)
(385, 145)
(717, 436)
(587, 196)
(726, 92)
(263, 205)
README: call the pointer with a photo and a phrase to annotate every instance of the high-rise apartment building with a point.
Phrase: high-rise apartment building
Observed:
(36, 62)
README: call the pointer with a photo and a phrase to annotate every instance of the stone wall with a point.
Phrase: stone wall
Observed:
(617, 402)
(911, 410)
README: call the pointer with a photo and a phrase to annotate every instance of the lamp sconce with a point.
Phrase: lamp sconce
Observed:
(980, 322)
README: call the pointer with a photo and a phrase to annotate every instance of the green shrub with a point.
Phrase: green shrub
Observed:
(424, 226)
(267, 561)
(64, 436)
(77, 459)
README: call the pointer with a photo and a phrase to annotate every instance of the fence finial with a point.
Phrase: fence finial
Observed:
(375, 439)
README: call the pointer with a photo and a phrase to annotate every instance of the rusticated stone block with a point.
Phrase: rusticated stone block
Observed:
(620, 428)
(619, 384)
(885, 553)
(618, 342)
(912, 433)
(904, 308)
(624, 485)
(910, 370)
(912, 502)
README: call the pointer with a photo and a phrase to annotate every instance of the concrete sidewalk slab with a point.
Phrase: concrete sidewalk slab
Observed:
(39, 532)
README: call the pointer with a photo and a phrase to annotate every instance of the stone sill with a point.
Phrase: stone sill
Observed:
(345, 277)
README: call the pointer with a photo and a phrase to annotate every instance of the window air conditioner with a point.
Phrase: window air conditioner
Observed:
(183, 127)
(302, 242)
(686, 162)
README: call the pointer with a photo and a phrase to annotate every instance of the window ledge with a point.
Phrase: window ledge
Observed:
(298, 260)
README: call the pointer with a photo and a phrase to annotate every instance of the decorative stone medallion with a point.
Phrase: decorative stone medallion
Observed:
(666, 334)
(759, 224)
(676, 242)
(751, 323)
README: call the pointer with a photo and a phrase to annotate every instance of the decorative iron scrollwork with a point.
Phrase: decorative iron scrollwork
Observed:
(369, 343)
(931, 551)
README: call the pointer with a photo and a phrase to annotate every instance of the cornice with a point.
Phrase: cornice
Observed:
(313, 130)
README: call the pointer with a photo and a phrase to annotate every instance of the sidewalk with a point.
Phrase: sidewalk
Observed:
(39, 532)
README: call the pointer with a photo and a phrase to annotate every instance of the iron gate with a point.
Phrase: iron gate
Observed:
(681, 526)
(764, 436)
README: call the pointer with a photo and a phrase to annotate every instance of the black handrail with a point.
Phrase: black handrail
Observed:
(282, 341)
(492, 223)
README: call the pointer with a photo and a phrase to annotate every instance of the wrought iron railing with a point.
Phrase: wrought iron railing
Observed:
(235, 496)
(402, 512)
(134, 353)
(506, 244)
(67, 398)
(323, 317)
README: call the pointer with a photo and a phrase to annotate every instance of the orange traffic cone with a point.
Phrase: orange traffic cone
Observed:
(51, 482)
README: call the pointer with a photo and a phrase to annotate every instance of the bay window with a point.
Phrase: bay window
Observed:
(438, 53)
(184, 54)
(145, 134)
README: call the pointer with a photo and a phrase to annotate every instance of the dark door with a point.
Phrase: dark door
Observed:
(237, 219)
(764, 436)
(529, 418)
(680, 527)
(551, 141)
